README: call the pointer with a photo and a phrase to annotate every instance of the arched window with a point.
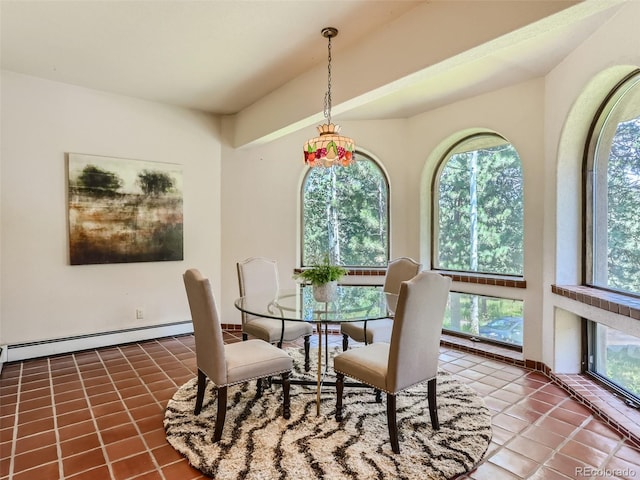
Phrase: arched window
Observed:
(477, 226)
(612, 233)
(613, 192)
(345, 214)
(478, 208)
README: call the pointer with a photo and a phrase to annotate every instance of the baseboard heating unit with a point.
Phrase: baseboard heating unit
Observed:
(45, 348)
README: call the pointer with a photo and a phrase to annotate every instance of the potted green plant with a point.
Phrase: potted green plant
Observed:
(324, 278)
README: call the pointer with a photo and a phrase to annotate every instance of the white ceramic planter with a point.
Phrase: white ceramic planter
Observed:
(326, 292)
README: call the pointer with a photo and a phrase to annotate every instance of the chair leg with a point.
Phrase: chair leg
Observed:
(391, 422)
(222, 413)
(259, 383)
(339, 390)
(307, 347)
(202, 382)
(433, 405)
(245, 337)
(345, 342)
(286, 404)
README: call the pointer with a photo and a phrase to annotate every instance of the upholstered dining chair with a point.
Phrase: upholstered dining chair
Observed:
(398, 270)
(257, 275)
(231, 364)
(412, 355)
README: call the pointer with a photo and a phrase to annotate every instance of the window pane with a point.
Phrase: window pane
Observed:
(616, 195)
(498, 319)
(345, 215)
(480, 208)
(616, 356)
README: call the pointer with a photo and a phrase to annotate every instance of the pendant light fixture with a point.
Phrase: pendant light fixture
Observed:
(330, 148)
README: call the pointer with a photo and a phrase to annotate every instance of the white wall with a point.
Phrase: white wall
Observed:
(516, 113)
(261, 191)
(43, 297)
(573, 92)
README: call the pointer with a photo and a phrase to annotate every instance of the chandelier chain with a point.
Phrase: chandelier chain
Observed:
(327, 96)
(329, 148)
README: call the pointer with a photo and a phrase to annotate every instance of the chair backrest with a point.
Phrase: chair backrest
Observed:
(210, 355)
(399, 270)
(257, 275)
(417, 328)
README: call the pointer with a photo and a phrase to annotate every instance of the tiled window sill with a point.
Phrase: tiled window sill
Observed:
(496, 280)
(486, 350)
(612, 302)
(603, 402)
(369, 272)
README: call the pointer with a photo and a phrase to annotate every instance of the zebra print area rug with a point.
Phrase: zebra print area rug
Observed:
(257, 443)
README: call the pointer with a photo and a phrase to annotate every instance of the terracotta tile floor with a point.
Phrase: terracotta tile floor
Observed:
(98, 415)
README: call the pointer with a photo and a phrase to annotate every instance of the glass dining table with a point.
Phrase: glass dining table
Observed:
(353, 303)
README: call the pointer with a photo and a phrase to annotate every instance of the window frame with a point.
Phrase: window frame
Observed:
(479, 338)
(590, 341)
(588, 178)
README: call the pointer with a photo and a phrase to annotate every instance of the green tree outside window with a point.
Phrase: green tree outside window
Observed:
(345, 215)
(480, 210)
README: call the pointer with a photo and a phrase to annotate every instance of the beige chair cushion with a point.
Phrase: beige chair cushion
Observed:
(366, 364)
(355, 330)
(270, 330)
(377, 330)
(254, 359)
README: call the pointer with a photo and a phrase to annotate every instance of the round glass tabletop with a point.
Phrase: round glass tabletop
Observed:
(352, 303)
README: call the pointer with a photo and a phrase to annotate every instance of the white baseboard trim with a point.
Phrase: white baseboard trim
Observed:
(45, 348)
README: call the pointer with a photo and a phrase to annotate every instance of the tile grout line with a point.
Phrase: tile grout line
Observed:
(128, 410)
(612, 454)
(93, 417)
(603, 414)
(519, 434)
(571, 437)
(14, 433)
(163, 369)
(485, 458)
(56, 431)
(556, 450)
(160, 367)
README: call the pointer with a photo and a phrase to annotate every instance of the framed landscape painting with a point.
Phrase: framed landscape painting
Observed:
(123, 211)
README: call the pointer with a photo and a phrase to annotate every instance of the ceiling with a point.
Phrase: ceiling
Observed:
(224, 57)
(217, 56)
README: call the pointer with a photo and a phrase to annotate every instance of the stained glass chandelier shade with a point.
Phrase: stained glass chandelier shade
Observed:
(329, 148)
